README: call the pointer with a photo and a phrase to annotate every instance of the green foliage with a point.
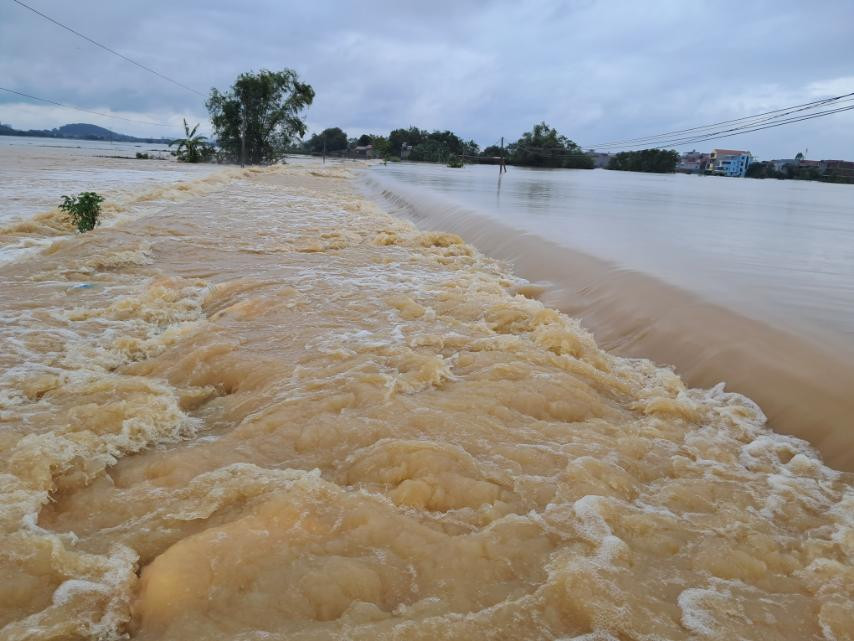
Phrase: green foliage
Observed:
(142, 156)
(436, 146)
(455, 162)
(84, 209)
(192, 147)
(336, 140)
(493, 151)
(431, 150)
(364, 140)
(659, 161)
(543, 146)
(382, 147)
(412, 137)
(268, 106)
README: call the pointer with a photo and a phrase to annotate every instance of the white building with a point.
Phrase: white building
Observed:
(729, 162)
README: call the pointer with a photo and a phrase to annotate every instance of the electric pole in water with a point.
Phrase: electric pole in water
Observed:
(243, 137)
(502, 168)
(242, 145)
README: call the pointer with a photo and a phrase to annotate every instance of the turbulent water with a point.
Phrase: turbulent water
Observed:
(35, 172)
(270, 410)
(744, 281)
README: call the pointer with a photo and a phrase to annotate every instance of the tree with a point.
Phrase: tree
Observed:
(543, 146)
(192, 147)
(431, 150)
(437, 146)
(382, 147)
(658, 161)
(261, 109)
(412, 137)
(364, 140)
(335, 138)
(84, 210)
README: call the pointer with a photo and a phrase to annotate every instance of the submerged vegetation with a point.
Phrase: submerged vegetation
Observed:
(192, 147)
(543, 146)
(83, 210)
(257, 119)
(657, 161)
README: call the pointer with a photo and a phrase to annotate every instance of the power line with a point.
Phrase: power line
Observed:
(746, 123)
(97, 113)
(112, 51)
(802, 107)
(750, 128)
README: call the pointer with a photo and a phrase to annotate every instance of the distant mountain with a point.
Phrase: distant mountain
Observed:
(78, 131)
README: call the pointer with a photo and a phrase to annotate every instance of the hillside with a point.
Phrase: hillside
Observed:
(78, 131)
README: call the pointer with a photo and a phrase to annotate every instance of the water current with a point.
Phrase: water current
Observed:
(745, 282)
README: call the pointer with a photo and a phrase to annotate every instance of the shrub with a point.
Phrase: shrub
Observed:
(455, 162)
(84, 210)
(142, 156)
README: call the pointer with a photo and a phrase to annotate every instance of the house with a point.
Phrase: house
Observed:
(363, 151)
(729, 162)
(693, 162)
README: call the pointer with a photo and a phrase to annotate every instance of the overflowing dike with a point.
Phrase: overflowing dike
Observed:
(273, 411)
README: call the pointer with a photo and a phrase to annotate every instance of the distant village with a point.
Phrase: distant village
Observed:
(738, 163)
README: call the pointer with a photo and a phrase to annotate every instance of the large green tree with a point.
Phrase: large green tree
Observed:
(656, 161)
(543, 146)
(334, 137)
(412, 136)
(265, 107)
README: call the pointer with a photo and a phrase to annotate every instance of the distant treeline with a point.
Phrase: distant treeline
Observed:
(791, 171)
(657, 161)
(543, 146)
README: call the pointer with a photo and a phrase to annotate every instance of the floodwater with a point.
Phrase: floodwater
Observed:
(36, 172)
(740, 281)
(268, 409)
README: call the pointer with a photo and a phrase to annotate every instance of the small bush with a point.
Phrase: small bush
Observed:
(455, 162)
(142, 156)
(84, 210)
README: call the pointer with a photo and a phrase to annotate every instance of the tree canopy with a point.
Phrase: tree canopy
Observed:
(335, 137)
(435, 146)
(543, 146)
(267, 105)
(658, 161)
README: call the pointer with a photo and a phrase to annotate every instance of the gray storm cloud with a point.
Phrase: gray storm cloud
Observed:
(597, 71)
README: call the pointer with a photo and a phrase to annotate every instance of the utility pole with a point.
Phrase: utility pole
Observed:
(502, 167)
(242, 145)
(243, 136)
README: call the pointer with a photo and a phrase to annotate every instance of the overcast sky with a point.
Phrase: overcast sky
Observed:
(597, 71)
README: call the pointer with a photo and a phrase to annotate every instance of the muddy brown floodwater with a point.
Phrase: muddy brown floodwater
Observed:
(273, 411)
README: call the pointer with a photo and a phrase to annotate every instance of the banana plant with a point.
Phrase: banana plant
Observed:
(192, 148)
